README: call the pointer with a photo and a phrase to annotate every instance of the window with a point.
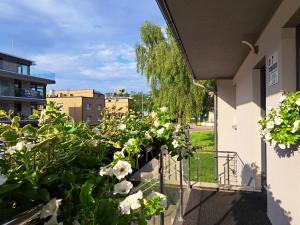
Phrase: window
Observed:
(1, 64)
(88, 119)
(99, 118)
(88, 106)
(99, 107)
(23, 69)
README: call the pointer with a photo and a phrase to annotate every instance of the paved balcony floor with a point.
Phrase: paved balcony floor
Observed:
(225, 208)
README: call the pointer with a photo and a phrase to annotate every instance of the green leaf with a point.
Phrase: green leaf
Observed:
(15, 122)
(86, 193)
(10, 136)
(8, 187)
(49, 179)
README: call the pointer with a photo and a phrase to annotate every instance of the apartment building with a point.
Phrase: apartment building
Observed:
(252, 49)
(81, 105)
(20, 89)
(119, 104)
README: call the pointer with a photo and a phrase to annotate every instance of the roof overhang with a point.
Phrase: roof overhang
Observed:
(210, 32)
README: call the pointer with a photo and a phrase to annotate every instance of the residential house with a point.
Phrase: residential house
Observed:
(82, 105)
(252, 49)
(20, 89)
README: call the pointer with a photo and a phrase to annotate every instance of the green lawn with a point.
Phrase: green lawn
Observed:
(205, 160)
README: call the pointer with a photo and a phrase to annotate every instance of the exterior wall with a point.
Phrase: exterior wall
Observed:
(94, 112)
(78, 93)
(282, 169)
(70, 105)
(226, 116)
(121, 105)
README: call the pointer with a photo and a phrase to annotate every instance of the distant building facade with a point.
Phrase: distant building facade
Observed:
(119, 104)
(81, 105)
(20, 89)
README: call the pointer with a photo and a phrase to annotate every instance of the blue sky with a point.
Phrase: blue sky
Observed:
(86, 43)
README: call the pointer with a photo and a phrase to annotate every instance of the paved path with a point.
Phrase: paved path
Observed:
(193, 128)
(225, 208)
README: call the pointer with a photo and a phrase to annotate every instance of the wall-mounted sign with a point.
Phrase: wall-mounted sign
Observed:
(272, 69)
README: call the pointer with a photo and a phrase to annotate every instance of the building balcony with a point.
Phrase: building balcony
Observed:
(21, 94)
(34, 76)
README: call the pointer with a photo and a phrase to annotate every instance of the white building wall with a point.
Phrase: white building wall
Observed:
(283, 170)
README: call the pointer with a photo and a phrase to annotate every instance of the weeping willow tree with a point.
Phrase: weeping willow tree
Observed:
(169, 77)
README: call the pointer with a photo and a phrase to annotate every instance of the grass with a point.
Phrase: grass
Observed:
(205, 160)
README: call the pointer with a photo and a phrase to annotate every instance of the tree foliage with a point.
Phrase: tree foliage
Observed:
(169, 77)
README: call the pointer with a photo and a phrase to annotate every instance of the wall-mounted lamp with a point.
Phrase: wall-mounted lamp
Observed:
(254, 48)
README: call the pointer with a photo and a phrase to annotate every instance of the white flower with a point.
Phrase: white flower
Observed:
(118, 155)
(164, 149)
(148, 136)
(122, 126)
(130, 203)
(167, 125)
(282, 98)
(274, 143)
(129, 142)
(282, 146)
(3, 179)
(153, 114)
(268, 136)
(161, 131)
(278, 120)
(19, 146)
(122, 169)
(270, 125)
(163, 198)
(178, 126)
(175, 144)
(164, 109)
(296, 126)
(51, 208)
(298, 102)
(106, 171)
(156, 123)
(123, 187)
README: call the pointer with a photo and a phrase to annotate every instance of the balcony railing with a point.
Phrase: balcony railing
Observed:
(20, 92)
(43, 74)
(34, 73)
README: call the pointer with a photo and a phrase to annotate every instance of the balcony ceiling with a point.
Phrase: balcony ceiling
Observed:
(210, 32)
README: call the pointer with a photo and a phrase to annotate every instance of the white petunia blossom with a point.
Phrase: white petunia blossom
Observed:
(156, 123)
(3, 179)
(164, 109)
(298, 102)
(278, 120)
(123, 187)
(282, 98)
(122, 169)
(270, 125)
(118, 155)
(122, 126)
(153, 114)
(163, 198)
(148, 136)
(175, 144)
(161, 131)
(106, 171)
(268, 136)
(51, 209)
(296, 126)
(131, 203)
(164, 149)
(274, 143)
(281, 146)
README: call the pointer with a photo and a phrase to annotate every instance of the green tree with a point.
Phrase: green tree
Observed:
(141, 102)
(169, 77)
